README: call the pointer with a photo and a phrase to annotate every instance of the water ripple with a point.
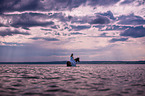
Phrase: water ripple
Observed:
(85, 80)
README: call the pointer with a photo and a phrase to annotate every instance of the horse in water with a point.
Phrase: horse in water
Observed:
(69, 63)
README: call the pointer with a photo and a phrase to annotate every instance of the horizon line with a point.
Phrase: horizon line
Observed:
(82, 62)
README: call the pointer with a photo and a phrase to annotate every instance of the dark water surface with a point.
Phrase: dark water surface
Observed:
(84, 80)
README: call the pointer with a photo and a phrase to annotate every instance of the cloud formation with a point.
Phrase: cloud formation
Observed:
(100, 20)
(138, 2)
(134, 32)
(79, 26)
(131, 20)
(76, 33)
(102, 3)
(9, 32)
(118, 39)
(45, 38)
(115, 27)
(32, 5)
(19, 5)
(26, 24)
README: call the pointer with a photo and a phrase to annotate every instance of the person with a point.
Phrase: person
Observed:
(72, 60)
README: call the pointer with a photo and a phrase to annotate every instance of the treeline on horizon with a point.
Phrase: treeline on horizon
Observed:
(82, 62)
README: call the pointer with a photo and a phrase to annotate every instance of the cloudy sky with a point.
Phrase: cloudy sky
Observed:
(50, 30)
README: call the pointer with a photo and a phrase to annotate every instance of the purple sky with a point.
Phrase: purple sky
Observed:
(50, 30)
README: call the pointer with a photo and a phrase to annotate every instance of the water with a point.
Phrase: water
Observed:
(84, 80)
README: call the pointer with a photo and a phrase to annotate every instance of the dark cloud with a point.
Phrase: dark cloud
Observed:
(44, 38)
(51, 39)
(31, 24)
(46, 29)
(134, 32)
(12, 44)
(32, 5)
(100, 20)
(19, 5)
(60, 16)
(27, 20)
(55, 27)
(47, 5)
(102, 2)
(138, 2)
(127, 1)
(30, 20)
(26, 28)
(105, 35)
(78, 28)
(131, 20)
(67, 4)
(11, 33)
(114, 27)
(118, 39)
(109, 14)
(76, 33)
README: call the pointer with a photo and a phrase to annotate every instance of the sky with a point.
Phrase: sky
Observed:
(50, 30)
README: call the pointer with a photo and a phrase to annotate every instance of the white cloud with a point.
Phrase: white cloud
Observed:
(81, 11)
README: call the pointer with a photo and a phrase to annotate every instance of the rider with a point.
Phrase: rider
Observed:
(73, 62)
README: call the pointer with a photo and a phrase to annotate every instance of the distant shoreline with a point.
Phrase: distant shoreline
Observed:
(82, 62)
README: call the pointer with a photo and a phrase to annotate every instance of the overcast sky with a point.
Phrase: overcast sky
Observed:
(50, 30)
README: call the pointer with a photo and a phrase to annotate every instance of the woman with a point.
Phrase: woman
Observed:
(73, 62)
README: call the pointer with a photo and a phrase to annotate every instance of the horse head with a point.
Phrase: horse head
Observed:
(77, 59)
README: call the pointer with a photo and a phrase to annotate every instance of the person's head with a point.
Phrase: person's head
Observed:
(72, 55)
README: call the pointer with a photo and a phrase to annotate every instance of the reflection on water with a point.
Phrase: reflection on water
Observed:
(84, 80)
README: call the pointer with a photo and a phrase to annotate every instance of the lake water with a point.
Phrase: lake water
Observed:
(83, 80)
